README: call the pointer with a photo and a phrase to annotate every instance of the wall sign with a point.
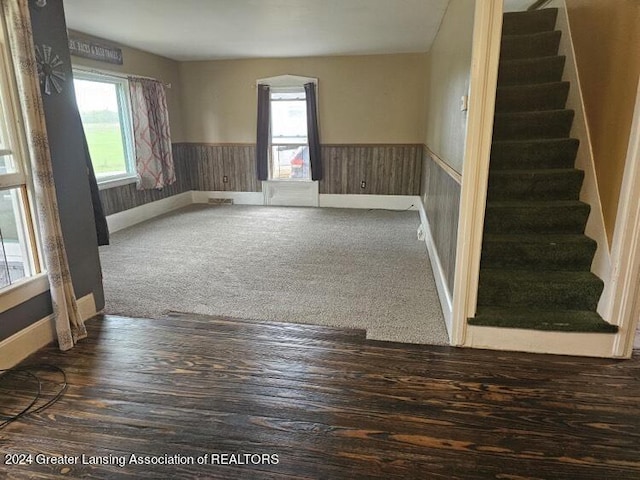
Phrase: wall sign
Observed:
(95, 51)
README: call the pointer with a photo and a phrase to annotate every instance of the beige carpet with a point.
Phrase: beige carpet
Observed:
(337, 267)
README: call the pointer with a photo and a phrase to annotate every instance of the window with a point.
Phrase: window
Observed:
(18, 254)
(289, 142)
(103, 102)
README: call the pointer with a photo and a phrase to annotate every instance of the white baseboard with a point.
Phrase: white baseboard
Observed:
(239, 198)
(27, 341)
(87, 307)
(382, 202)
(38, 335)
(536, 341)
(127, 218)
(446, 300)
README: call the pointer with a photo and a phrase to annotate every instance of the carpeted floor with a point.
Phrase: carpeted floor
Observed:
(337, 267)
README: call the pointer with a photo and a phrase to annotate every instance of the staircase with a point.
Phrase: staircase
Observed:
(536, 260)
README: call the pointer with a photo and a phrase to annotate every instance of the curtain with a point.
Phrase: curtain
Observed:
(262, 140)
(102, 229)
(152, 137)
(68, 322)
(312, 131)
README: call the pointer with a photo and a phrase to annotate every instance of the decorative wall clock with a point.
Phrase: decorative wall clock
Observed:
(48, 69)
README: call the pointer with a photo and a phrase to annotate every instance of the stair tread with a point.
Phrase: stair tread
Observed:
(532, 35)
(553, 320)
(567, 238)
(530, 21)
(522, 142)
(546, 58)
(546, 276)
(537, 113)
(536, 203)
(538, 171)
(530, 45)
(525, 86)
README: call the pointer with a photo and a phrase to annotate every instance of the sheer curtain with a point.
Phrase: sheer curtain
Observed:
(152, 136)
(69, 325)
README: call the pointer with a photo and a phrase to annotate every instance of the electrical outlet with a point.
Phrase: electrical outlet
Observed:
(363, 184)
(225, 179)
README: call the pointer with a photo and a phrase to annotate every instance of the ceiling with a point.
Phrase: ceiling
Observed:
(216, 29)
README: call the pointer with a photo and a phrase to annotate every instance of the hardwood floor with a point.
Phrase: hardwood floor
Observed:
(316, 402)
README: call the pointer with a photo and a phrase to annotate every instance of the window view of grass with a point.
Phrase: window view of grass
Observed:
(99, 110)
(105, 147)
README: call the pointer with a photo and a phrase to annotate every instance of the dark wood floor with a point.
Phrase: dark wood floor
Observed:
(327, 402)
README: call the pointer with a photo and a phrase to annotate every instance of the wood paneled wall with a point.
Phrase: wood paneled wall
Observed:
(385, 169)
(209, 164)
(121, 198)
(441, 198)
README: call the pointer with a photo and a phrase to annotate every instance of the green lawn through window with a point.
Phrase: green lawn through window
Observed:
(105, 147)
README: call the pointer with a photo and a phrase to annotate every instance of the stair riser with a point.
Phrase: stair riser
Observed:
(559, 320)
(547, 220)
(544, 70)
(530, 186)
(527, 98)
(569, 296)
(530, 46)
(536, 125)
(536, 257)
(519, 23)
(531, 156)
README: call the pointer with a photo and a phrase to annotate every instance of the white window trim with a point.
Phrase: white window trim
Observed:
(130, 176)
(37, 282)
(108, 183)
(284, 83)
(23, 290)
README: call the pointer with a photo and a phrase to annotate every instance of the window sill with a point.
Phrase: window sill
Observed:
(22, 291)
(116, 182)
(291, 180)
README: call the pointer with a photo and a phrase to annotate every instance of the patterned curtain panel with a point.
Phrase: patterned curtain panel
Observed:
(68, 322)
(154, 160)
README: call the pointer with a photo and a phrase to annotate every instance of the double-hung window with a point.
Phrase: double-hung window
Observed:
(289, 140)
(103, 101)
(18, 252)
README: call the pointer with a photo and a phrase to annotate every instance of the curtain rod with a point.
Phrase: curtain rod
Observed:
(116, 74)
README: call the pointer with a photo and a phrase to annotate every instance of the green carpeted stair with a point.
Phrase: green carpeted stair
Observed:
(536, 260)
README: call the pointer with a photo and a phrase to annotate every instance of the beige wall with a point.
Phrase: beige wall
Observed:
(606, 37)
(362, 99)
(145, 64)
(448, 71)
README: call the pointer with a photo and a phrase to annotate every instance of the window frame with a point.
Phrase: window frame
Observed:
(14, 137)
(126, 126)
(285, 89)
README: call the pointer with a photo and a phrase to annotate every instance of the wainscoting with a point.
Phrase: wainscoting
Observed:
(220, 168)
(385, 170)
(125, 197)
(441, 199)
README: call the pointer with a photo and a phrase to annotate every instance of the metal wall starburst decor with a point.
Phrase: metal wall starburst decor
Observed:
(48, 69)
